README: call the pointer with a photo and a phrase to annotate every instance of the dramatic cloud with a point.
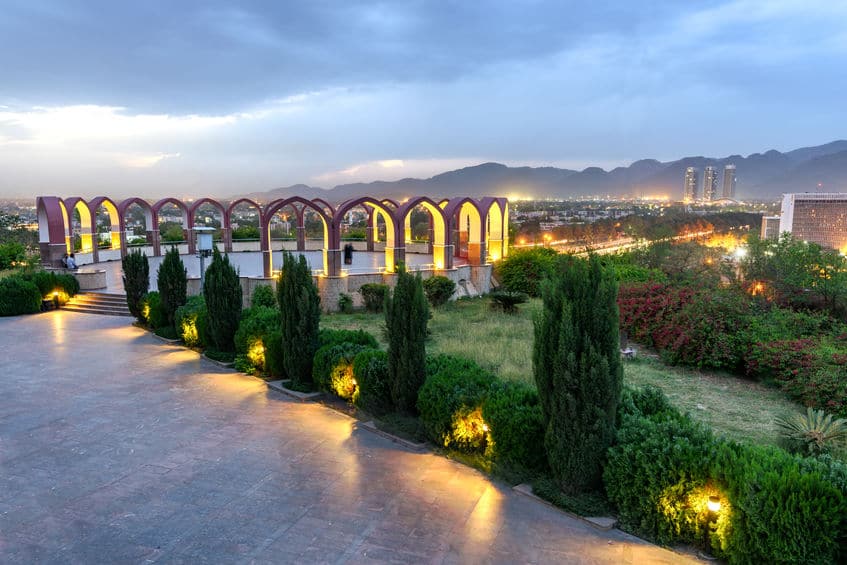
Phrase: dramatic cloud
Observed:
(222, 97)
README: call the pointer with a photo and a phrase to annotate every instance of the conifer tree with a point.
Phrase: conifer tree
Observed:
(222, 293)
(577, 368)
(136, 277)
(406, 317)
(172, 281)
(300, 309)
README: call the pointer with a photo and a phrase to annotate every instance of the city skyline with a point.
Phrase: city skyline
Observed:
(225, 98)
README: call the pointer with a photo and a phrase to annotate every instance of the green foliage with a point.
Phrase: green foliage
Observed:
(345, 303)
(450, 403)
(191, 322)
(263, 295)
(222, 292)
(172, 233)
(167, 332)
(513, 413)
(333, 368)
(406, 317)
(373, 295)
(438, 290)
(245, 232)
(507, 300)
(370, 369)
(523, 270)
(334, 337)
(154, 314)
(274, 365)
(814, 432)
(172, 282)
(577, 369)
(136, 277)
(11, 254)
(18, 296)
(251, 338)
(48, 282)
(775, 508)
(300, 306)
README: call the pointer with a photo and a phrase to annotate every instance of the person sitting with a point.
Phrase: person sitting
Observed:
(72, 262)
(65, 261)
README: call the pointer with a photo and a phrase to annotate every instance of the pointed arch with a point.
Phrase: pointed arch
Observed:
(77, 205)
(395, 250)
(495, 225)
(151, 223)
(276, 205)
(442, 255)
(52, 228)
(466, 229)
(116, 227)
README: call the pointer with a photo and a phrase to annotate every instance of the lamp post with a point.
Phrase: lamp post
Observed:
(204, 249)
(713, 506)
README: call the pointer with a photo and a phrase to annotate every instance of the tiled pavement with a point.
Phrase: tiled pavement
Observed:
(117, 448)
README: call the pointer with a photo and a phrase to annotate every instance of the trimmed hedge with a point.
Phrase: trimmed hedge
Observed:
(263, 295)
(438, 289)
(256, 324)
(373, 393)
(151, 307)
(19, 296)
(513, 413)
(48, 282)
(191, 320)
(335, 337)
(373, 295)
(450, 403)
(332, 370)
(775, 507)
(523, 270)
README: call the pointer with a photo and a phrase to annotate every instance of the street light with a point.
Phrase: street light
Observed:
(204, 249)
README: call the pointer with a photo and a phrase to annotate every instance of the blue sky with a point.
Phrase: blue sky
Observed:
(191, 98)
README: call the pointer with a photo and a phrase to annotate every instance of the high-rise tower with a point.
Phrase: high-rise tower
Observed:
(710, 184)
(689, 189)
(729, 181)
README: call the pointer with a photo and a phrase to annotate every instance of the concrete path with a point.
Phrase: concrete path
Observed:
(117, 448)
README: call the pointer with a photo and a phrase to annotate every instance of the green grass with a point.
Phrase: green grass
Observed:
(737, 408)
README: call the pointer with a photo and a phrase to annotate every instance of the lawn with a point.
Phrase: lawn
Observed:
(737, 408)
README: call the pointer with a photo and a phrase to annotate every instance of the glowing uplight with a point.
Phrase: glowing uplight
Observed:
(714, 504)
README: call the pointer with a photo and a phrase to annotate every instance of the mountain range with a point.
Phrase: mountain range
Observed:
(767, 175)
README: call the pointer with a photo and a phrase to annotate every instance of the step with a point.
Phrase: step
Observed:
(90, 300)
(100, 311)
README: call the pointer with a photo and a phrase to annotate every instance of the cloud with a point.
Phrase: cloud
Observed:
(145, 161)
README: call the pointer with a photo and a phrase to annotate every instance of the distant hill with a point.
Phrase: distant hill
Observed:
(760, 175)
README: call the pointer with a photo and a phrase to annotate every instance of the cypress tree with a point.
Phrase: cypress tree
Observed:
(136, 277)
(222, 293)
(300, 309)
(172, 281)
(577, 368)
(406, 317)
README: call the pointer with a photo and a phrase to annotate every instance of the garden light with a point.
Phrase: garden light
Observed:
(714, 504)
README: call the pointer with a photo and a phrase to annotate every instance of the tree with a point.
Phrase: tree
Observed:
(577, 369)
(136, 279)
(300, 306)
(406, 317)
(222, 293)
(172, 282)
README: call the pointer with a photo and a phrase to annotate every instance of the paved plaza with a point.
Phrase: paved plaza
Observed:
(118, 448)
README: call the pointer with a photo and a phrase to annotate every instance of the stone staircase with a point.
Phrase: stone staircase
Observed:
(98, 303)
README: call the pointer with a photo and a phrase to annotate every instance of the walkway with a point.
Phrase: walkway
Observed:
(115, 447)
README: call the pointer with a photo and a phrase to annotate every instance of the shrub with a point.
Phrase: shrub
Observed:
(523, 270)
(11, 253)
(507, 300)
(513, 414)
(68, 283)
(263, 295)
(370, 369)
(18, 296)
(345, 303)
(334, 337)
(191, 322)
(274, 365)
(438, 290)
(172, 281)
(333, 368)
(136, 277)
(300, 306)
(373, 295)
(406, 317)
(577, 368)
(814, 432)
(450, 403)
(251, 338)
(152, 309)
(222, 292)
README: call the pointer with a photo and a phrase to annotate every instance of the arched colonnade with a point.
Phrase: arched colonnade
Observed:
(473, 229)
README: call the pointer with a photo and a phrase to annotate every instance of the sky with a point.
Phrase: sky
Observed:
(195, 98)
